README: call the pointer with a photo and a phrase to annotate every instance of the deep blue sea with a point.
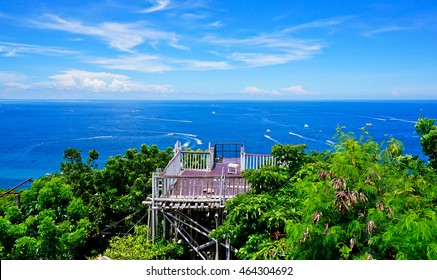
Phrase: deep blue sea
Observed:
(34, 134)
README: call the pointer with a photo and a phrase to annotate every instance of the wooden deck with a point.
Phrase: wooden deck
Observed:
(192, 177)
(199, 181)
(219, 169)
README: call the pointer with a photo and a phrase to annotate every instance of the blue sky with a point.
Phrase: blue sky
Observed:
(205, 49)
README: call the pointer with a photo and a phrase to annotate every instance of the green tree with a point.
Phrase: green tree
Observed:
(137, 247)
(48, 226)
(364, 205)
(71, 214)
(428, 131)
(363, 200)
(114, 194)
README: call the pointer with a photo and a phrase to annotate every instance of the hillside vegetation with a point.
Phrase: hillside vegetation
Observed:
(360, 200)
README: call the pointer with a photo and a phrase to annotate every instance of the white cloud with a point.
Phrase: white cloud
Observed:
(215, 24)
(176, 6)
(252, 90)
(158, 5)
(266, 59)
(384, 30)
(135, 62)
(298, 90)
(16, 85)
(12, 80)
(276, 40)
(102, 82)
(322, 23)
(265, 49)
(155, 64)
(203, 65)
(14, 49)
(121, 36)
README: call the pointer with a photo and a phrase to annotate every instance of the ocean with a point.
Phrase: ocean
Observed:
(34, 134)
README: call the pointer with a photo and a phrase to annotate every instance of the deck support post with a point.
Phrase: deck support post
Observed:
(217, 243)
(218, 222)
(148, 222)
(164, 229)
(228, 248)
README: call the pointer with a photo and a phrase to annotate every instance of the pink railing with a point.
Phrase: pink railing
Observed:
(199, 187)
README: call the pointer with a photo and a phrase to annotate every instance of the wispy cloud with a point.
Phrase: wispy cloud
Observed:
(121, 36)
(322, 23)
(157, 5)
(266, 59)
(384, 30)
(194, 64)
(265, 49)
(134, 62)
(298, 90)
(255, 51)
(176, 6)
(253, 90)
(414, 91)
(155, 64)
(15, 49)
(272, 40)
(13, 80)
(102, 82)
(215, 24)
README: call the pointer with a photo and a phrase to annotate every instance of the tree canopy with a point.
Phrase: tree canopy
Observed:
(364, 200)
(360, 200)
(73, 214)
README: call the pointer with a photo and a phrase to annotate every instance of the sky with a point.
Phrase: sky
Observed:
(214, 50)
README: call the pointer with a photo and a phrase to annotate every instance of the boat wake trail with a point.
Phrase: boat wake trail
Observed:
(303, 137)
(330, 143)
(371, 117)
(166, 120)
(270, 138)
(401, 120)
(186, 135)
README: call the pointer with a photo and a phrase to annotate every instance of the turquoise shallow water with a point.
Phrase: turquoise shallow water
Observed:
(34, 134)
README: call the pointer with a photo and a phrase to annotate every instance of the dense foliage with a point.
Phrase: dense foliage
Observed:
(137, 247)
(428, 131)
(73, 214)
(362, 200)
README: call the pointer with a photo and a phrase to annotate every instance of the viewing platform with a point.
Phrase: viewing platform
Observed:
(195, 185)
(204, 179)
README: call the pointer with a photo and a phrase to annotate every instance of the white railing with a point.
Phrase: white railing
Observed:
(196, 161)
(174, 166)
(211, 159)
(256, 161)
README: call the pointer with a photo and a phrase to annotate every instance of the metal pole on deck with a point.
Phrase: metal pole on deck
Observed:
(217, 242)
(17, 200)
(164, 228)
(154, 187)
(148, 222)
(228, 249)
